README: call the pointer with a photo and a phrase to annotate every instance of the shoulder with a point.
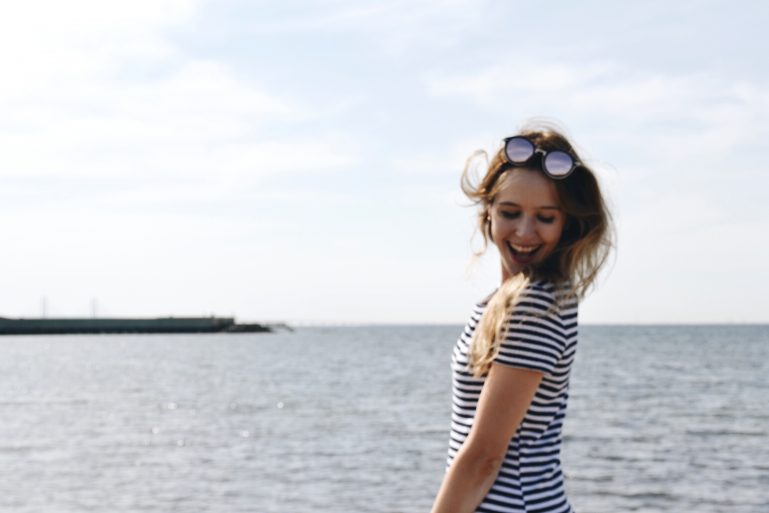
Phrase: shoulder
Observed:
(545, 305)
(536, 331)
(547, 297)
(540, 289)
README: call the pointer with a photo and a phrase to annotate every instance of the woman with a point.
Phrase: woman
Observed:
(542, 208)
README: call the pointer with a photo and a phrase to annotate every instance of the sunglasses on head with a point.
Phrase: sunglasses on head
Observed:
(556, 164)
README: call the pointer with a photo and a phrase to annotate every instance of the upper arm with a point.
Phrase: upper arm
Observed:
(504, 400)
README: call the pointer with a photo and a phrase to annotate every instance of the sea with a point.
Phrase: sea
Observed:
(356, 420)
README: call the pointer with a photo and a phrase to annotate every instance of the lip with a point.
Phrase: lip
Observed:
(523, 259)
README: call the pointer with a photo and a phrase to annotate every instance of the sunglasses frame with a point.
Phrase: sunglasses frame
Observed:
(536, 150)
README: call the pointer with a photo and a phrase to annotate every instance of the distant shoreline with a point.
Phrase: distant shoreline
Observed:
(66, 326)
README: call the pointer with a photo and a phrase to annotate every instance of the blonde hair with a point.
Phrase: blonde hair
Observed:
(582, 250)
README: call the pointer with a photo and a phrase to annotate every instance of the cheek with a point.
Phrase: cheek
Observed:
(496, 227)
(552, 234)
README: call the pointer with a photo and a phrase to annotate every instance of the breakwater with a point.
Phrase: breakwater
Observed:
(63, 326)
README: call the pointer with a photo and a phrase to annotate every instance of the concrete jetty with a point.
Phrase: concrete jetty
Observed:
(61, 326)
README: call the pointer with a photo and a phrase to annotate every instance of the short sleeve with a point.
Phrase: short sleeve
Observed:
(535, 336)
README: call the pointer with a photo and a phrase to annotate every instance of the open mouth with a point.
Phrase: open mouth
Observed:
(524, 254)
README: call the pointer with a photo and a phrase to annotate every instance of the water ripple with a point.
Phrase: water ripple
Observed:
(356, 420)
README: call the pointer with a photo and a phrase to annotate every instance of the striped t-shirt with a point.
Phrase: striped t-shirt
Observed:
(542, 335)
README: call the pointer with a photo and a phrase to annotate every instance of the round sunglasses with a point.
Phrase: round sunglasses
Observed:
(556, 164)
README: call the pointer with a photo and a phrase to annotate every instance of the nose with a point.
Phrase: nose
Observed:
(525, 227)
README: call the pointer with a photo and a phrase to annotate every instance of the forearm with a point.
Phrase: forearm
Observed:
(466, 482)
(497, 417)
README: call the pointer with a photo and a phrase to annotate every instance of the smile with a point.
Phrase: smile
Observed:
(524, 249)
(523, 254)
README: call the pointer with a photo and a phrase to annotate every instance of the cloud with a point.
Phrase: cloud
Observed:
(100, 95)
(398, 26)
(582, 87)
(195, 103)
(486, 86)
(47, 44)
(687, 120)
(449, 160)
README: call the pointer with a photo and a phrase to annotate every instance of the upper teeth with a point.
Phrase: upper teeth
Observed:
(524, 249)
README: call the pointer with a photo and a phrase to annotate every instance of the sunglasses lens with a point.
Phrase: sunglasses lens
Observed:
(518, 150)
(558, 163)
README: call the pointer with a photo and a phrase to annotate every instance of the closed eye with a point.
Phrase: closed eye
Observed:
(509, 215)
(546, 220)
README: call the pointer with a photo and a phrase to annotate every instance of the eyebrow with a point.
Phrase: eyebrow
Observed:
(545, 207)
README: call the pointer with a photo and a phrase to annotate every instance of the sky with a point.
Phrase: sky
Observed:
(299, 161)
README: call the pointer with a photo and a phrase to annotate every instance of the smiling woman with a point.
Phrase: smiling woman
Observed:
(526, 222)
(543, 209)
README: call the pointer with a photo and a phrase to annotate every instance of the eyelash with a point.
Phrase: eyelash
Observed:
(514, 215)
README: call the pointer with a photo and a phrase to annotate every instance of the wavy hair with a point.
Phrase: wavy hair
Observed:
(583, 248)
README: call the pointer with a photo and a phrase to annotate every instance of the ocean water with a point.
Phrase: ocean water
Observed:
(356, 419)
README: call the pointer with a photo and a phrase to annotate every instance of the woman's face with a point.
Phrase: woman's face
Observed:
(526, 220)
